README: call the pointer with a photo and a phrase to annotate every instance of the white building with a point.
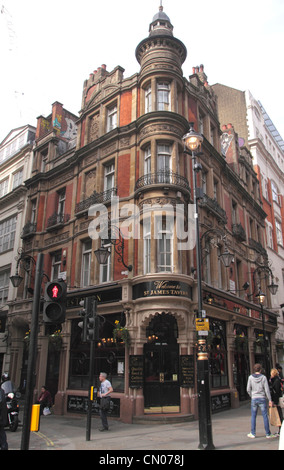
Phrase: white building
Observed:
(257, 132)
(16, 156)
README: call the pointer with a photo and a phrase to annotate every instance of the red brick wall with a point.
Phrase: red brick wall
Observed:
(125, 108)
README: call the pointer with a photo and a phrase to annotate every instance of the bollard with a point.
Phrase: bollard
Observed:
(35, 418)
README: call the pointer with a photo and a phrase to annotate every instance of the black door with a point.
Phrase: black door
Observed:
(161, 364)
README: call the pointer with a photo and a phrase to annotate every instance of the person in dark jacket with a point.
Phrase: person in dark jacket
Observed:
(3, 421)
(276, 391)
(44, 399)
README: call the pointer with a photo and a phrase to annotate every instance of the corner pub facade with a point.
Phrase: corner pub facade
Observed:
(129, 149)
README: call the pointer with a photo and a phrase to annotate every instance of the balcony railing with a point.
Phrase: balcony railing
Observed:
(96, 198)
(214, 207)
(28, 229)
(239, 232)
(162, 177)
(57, 219)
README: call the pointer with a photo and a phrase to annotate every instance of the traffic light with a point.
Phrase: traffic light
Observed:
(54, 306)
(84, 314)
(92, 321)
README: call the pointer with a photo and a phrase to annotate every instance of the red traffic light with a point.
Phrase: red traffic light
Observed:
(54, 290)
(54, 306)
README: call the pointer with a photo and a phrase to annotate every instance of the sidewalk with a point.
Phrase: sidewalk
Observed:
(230, 429)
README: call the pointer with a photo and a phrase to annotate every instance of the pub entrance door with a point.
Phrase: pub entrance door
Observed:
(161, 365)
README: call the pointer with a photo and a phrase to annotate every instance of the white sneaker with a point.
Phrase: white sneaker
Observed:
(252, 436)
(270, 436)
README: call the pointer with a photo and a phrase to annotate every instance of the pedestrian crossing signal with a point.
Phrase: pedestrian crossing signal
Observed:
(54, 307)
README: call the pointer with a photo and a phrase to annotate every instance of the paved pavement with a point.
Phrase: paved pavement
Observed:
(229, 429)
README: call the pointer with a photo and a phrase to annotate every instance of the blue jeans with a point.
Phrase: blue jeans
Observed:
(262, 404)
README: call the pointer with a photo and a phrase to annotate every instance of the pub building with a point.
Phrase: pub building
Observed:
(129, 150)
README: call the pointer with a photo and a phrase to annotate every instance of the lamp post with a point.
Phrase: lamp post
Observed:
(261, 299)
(193, 141)
(16, 280)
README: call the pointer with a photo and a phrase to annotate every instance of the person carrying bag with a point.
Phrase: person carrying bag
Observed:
(276, 395)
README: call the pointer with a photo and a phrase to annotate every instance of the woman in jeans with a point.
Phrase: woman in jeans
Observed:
(276, 392)
(258, 390)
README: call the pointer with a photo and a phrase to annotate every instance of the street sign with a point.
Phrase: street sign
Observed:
(202, 324)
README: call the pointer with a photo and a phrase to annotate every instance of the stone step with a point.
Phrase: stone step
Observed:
(163, 418)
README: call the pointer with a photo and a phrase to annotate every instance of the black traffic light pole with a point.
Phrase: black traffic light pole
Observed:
(91, 311)
(32, 355)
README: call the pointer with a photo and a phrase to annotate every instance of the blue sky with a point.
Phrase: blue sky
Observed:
(48, 49)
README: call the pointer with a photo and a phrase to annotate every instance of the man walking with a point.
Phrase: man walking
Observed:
(104, 393)
(258, 390)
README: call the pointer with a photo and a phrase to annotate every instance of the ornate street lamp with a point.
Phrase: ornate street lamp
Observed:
(116, 239)
(192, 141)
(226, 257)
(16, 279)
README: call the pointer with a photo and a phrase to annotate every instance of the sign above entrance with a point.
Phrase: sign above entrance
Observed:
(160, 288)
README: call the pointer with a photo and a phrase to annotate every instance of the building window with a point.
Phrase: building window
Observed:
(218, 354)
(33, 212)
(148, 99)
(147, 245)
(279, 233)
(4, 187)
(61, 203)
(269, 236)
(275, 192)
(4, 286)
(164, 163)
(105, 268)
(164, 245)
(204, 181)
(17, 178)
(43, 160)
(7, 234)
(111, 118)
(86, 263)
(109, 177)
(55, 265)
(163, 96)
(147, 164)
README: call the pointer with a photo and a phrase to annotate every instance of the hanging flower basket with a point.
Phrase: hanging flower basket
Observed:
(121, 334)
(55, 340)
(27, 340)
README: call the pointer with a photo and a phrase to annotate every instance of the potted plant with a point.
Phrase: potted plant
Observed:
(121, 333)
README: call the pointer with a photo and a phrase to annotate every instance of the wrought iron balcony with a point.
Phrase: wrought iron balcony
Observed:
(239, 232)
(162, 177)
(96, 198)
(57, 219)
(211, 205)
(28, 230)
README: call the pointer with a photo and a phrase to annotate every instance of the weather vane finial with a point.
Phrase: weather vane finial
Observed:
(161, 5)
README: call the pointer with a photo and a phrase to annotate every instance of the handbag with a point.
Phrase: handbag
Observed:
(274, 416)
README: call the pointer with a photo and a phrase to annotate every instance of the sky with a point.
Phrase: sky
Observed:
(48, 49)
